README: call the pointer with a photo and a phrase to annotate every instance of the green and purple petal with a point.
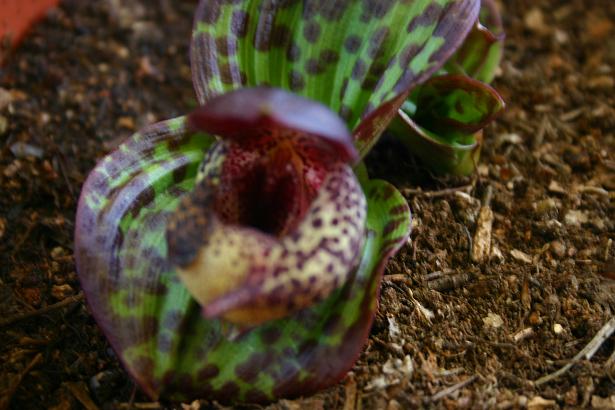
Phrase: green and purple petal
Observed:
(359, 58)
(244, 115)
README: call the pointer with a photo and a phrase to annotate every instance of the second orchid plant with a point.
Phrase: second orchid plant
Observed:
(236, 253)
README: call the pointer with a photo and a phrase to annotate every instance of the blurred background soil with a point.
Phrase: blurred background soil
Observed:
(451, 333)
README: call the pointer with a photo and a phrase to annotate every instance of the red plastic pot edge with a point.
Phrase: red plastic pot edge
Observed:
(16, 18)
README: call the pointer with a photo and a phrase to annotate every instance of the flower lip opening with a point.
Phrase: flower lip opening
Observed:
(270, 182)
(262, 190)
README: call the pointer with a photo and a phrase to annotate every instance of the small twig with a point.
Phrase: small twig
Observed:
(63, 303)
(435, 194)
(436, 275)
(22, 302)
(133, 394)
(448, 282)
(79, 391)
(607, 249)
(540, 135)
(427, 314)
(587, 352)
(449, 372)
(350, 390)
(397, 278)
(609, 364)
(585, 189)
(391, 347)
(523, 334)
(62, 166)
(571, 115)
(450, 390)
(8, 394)
(470, 240)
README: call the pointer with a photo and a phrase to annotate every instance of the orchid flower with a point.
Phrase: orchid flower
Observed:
(442, 120)
(246, 214)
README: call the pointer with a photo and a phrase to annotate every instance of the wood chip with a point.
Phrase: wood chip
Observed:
(523, 334)
(493, 320)
(556, 188)
(5, 98)
(603, 403)
(521, 256)
(350, 390)
(540, 403)
(481, 244)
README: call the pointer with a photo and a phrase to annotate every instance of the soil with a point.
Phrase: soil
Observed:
(451, 332)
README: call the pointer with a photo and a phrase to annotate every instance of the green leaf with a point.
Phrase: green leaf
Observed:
(442, 125)
(454, 153)
(356, 57)
(454, 104)
(481, 52)
(155, 326)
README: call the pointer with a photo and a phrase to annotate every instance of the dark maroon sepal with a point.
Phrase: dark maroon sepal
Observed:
(248, 113)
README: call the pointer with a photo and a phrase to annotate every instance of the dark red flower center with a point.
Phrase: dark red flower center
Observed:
(279, 149)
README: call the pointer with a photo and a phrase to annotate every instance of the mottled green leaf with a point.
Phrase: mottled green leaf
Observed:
(357, 57)
(441, 122)
(156, 327)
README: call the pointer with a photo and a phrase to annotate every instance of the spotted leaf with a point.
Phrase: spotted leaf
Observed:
(359, 58)
(155, 325)
(442, 120)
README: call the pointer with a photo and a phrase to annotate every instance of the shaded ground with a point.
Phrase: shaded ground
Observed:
(89, 77)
